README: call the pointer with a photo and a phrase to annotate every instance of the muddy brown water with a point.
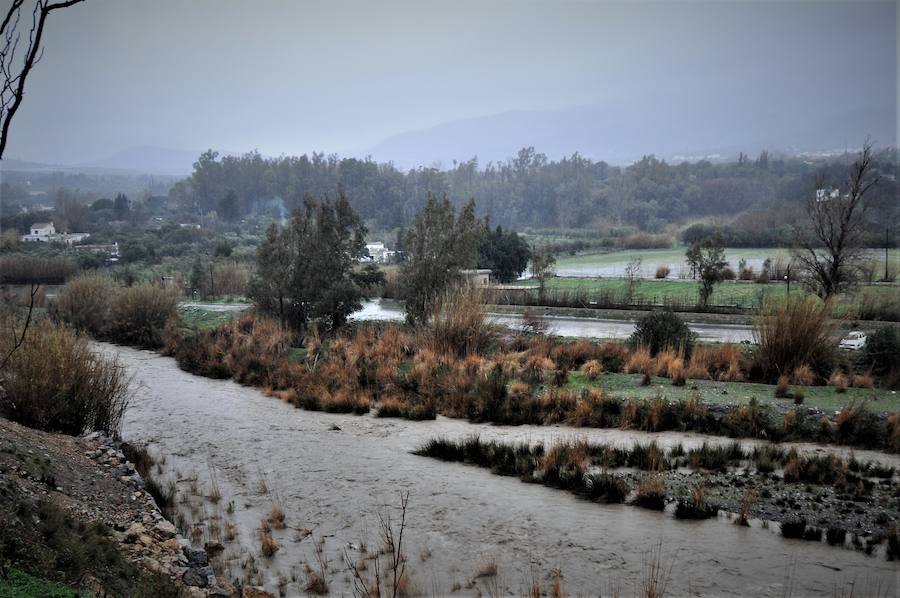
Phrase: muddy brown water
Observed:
(335, 483)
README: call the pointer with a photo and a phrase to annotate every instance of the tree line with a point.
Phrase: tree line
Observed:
(529, 190)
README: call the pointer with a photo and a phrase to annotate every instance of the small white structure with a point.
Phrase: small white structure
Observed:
(45, 232)
(40, 231)
(827, 194)
(479, 278)
(379, 253)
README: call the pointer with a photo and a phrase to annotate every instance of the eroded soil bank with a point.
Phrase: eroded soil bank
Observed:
(239, 453)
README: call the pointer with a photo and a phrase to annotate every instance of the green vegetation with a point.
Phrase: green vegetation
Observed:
(18, 584)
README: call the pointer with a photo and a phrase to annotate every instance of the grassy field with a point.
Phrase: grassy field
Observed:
(730, 293)
(823, 397)
(203, 319)
(18, 584)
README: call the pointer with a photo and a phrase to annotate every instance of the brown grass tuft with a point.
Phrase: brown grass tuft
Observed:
(592, 369)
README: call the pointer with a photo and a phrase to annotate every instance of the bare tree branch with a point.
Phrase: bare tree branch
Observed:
(12, 85)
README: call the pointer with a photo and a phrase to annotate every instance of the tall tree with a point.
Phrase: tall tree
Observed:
(830, 246)
(543, 259)
(14, 71)
(505, 253)
(229, 206)
(438, 246)
(707, 259)
(309, 270)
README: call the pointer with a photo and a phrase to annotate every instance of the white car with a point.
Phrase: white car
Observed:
(854, 341)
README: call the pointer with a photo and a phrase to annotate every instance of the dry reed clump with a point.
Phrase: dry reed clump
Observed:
(794, 332)
(519, 391)
(612, 355)
(536, 367)
(893, 431)
(783, 388)
(459, 325)
(838, 380)
(256, 349)
(55, 382)
(651, 492)
(268, 545)
(863, 380)
(138, 315)
(803, 375)
(84, 303)
(573, 354)
(641, 362)
(799, 395)
(662, 271)
(677, 372)
(275, 518)
(722, 362)
(592, 369)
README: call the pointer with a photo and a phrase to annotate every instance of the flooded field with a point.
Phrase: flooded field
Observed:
(333, 474)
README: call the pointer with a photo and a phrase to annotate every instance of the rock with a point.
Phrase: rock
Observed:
(152, 565)
(165, 529)
(196, 558)
(145, 540)
(213, 547)
(192, 577)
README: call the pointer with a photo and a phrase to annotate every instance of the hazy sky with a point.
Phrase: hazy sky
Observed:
(291, 77)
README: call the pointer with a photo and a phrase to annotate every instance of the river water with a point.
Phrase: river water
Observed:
(334, 482)
(569, 327)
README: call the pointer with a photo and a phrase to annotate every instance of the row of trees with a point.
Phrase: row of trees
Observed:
(309, 270)
(528, 190)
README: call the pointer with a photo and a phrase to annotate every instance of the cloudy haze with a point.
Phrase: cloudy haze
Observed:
(351, 77)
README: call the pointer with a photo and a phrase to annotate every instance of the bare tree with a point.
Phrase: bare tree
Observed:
(13, 71)
(830, 246)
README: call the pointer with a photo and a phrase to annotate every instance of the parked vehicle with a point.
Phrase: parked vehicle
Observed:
(854, 341)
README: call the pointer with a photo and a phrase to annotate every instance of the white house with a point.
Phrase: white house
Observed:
(45, 232)
(379, 253)
(40, 231)
(479, 278)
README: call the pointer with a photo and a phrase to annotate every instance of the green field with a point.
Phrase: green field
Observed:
(823, 397)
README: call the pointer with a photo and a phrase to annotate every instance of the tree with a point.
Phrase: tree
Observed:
(707, 259)
(829, 248)
(229, 206)
(121, 206)
(438, 246)
(308, 271)
(13, 72)
(543, 259)
(505, 253)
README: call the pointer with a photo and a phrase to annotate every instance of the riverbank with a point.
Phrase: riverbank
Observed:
(332, 475)
(74, 513)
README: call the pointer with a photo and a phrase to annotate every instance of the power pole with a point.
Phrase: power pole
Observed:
(886, 241)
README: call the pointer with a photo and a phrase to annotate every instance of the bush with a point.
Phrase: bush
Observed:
(26, 269)
(662, 271)
(84, 303)
(138, 315)
(882, 351)
(792, 333)
(661, 330)
(459, 324)
(54, 382)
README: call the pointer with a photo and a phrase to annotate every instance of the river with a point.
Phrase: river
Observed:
(380, 309)
(332, 475)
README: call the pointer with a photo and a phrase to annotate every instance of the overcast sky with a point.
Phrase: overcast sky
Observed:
(291, 77)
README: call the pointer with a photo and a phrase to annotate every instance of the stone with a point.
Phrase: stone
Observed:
(145, 540)
(192, 577)
(166, 529)
(196, 557)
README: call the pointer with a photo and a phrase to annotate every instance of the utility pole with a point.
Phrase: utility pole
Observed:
(886, 240)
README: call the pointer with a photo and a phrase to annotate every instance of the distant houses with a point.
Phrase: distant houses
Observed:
(45, 232)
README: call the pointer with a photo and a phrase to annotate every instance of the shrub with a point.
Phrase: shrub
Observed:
(728, 273)
(803, 375)
(610, 488)
(792, 333)
(612, 355)
(592, 369)
(459, 324)
(662, 271)
(882, 351)
(651, 493)
(799, 395)
(695, 506)
(863, 380)
(659, 330)
(793, 528)
(138, 315)
(838, 380)
(783, 388)
(55, 382)
(27, 269)
(84, 303)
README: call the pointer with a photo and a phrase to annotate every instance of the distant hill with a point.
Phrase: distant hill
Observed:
(129, 161)
(623, 133)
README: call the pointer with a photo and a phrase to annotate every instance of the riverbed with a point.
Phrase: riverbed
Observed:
(333, 474)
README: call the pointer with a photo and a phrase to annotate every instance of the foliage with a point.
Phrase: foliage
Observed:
(55, 382)
(307, 271)
(706, 260)
(138, 315)
(660, 330)
(505, 253)
(792, 333)
(439, 245)
(882, 350)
